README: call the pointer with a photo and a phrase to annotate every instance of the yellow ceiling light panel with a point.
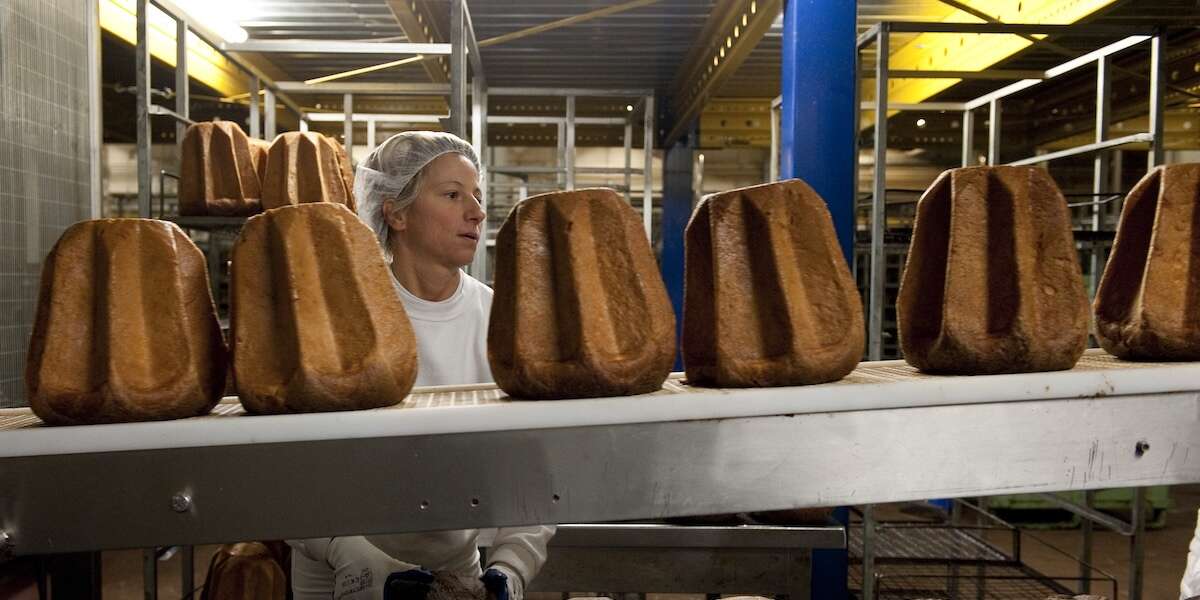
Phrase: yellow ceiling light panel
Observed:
(205, 64)
(976, 52)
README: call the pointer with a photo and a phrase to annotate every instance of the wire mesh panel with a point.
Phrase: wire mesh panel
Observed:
(44, 158)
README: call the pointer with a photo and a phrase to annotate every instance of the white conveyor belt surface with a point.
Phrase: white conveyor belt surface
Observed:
(480, 408)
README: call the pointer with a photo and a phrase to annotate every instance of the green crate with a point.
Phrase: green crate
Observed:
(1033, 511)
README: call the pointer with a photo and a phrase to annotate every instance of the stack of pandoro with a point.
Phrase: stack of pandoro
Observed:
(992, 283)
(768, 298)
(219, 174)
(305, 167)
(316, 324)
(1148, 302)
(248, 571)
(579, 307)
(126, 329)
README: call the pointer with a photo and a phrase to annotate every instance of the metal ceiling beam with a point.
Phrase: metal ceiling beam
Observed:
(733, 30)
(418, 27)
(380, 89)
(336, 47)
(560, 23)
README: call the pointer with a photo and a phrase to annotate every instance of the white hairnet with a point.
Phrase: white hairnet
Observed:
(391, 172)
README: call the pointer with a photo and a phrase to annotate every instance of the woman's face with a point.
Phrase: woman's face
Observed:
(443, 224)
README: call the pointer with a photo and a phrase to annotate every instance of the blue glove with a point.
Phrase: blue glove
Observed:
(408, 585)
(496, 584)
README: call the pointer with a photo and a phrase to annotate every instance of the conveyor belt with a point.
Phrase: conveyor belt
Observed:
(483, 407)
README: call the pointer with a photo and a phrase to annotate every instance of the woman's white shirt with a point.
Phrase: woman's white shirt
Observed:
(451, 334)
(451, 349)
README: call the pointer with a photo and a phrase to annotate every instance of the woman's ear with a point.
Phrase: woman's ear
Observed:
(394, 218)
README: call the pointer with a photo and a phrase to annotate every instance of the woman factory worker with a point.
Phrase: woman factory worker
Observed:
(419, 193)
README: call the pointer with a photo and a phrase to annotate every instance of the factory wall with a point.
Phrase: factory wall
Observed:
(44, 158)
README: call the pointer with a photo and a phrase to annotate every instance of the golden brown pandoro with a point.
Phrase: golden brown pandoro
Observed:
(347, 171)
(258, 152)
(218, 172)
(992, 283)
(305, 167)
(768, 298)
(579, 308)
(1148, 302)
(126, 329)
(316, 324)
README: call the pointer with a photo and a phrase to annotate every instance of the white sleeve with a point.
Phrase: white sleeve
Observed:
(1189, 587)
(522, 548)
(314, 548)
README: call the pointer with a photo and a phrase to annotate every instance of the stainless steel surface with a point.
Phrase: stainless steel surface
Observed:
(667, 558)
(968, 137)
(6, 545)
(648, 108)
(1137, 544)
(150, 573)
(310, 46)
(142, 70)
(269, 108)
(1157, 51)
(570, 142)
(182, 81)
(348, 125)
(255, 122)
(1086, 149)
(1089, 514)
(1100, 172)
(653, 535)
(684, 464)
(373, 88)
(878, 200)
(458, 68)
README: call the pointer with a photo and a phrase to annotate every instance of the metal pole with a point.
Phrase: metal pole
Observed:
(255, 130)
(994, 132)
(570, 153)
(458, 69)
(143, 110)
(878, 206)
(1137, 549)
(150, 570)
(629, 159)
(773, 159)
(1157, 50)
(348, 125)
(187, 566)
(1100, 165)
(868, 544)
(648, 168)
(1085, 568)
(182, 89)
(95, 112)
(479, 140)
(968, 138)
(370, 134)
(561, 156)
(269, 113)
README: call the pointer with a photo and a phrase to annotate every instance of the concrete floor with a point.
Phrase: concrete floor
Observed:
(1166, 552)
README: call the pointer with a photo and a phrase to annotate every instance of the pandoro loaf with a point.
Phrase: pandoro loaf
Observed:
(248, 571)
(218, 172)
(768, 298)
(1148, 302)
(305, 167)
(579, 307)
(126, 329)
(258, 152)
(992, 283)
(316, 323)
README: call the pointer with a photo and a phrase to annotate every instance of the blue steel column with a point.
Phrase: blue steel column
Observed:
(818, 129)
(676, 210)
(818, 114)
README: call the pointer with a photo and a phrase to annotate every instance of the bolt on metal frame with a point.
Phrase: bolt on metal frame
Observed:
(879, 35)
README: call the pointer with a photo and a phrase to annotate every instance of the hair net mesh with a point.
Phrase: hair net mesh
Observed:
(387, 171)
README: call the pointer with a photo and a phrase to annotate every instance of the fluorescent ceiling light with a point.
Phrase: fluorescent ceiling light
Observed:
(220, 16)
